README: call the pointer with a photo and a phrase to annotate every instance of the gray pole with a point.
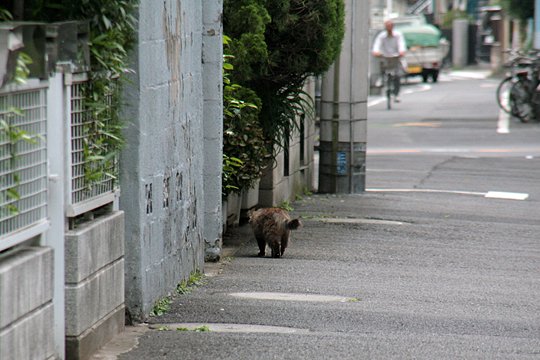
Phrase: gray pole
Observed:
(344, 108)
(537, 24)
(460, 30)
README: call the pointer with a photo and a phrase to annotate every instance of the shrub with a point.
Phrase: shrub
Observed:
(277, 44)
(245, 151)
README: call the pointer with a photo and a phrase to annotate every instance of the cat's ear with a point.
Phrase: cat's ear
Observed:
(294, 224)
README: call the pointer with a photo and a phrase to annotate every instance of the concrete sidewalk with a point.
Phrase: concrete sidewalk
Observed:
(383, 275)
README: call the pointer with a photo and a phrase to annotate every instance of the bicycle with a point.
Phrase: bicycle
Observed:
(390, 66)
(516, 94)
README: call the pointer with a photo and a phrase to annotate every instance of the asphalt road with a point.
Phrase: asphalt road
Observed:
(439, 259)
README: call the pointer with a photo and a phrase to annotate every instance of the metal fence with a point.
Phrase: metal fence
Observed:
(24, 148)
(86, 193)
(23, 160)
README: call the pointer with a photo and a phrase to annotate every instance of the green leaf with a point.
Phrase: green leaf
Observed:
(13, 194)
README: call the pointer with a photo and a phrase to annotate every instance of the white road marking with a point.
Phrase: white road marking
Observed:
(376, 101)
(380, 99)
(430, 191)
(490, 194)
(503, 124)
(291, 297)
(526, 151)
(506, 195)
(359, 221)
(228, 328)
(469, 75)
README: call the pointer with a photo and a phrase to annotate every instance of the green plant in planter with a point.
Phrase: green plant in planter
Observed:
(230, 170)
(245, 148)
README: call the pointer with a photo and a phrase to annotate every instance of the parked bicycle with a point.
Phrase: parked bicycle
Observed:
(517, 94)
(390, 67)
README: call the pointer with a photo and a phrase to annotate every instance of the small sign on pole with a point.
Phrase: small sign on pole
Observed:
(342, 163)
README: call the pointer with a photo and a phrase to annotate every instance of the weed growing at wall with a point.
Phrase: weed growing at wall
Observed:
(161, 306)
(195, 279)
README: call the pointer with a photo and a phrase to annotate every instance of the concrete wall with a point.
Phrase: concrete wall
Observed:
(94, 291)
(26, 308)
(213, 125)
(162, 165)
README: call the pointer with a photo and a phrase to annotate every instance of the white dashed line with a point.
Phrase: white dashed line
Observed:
(506, 195)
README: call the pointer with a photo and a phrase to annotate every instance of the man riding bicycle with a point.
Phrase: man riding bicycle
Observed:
(390, 44)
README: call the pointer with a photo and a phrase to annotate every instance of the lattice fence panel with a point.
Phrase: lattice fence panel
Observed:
(84, 188)
(23, 162)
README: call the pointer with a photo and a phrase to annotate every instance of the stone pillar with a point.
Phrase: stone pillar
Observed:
(344, 108)
(212, 60)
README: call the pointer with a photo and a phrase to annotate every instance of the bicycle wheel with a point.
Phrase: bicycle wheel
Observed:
(389, 91)
(520, 100)
(503, 94)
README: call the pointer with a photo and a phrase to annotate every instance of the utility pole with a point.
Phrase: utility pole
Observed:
(537, 24)
(389, 4)
(343, 130)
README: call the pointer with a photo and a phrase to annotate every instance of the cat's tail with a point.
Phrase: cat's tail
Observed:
(294, 224)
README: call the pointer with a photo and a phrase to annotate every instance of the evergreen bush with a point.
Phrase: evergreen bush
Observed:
(276, 45)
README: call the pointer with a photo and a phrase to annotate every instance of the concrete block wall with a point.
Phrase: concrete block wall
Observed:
(94, 290)
(26, 309)
(162, 166)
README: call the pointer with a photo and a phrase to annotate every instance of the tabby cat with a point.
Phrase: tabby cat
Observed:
(272, 227)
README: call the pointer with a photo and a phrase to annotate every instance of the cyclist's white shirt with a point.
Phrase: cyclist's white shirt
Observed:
(389, 45)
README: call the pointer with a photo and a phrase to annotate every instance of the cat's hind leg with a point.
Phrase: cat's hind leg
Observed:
(262, 246)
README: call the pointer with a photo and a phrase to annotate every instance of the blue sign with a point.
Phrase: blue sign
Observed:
(342, 163)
